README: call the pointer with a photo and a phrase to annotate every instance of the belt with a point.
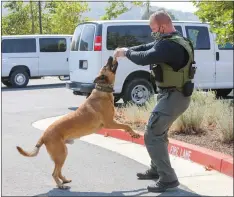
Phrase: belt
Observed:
(166, 89)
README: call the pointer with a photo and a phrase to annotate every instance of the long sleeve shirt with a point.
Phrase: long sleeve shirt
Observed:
(164, 51)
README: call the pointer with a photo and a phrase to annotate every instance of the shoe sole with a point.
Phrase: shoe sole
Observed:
(171, 187)
(147, 178)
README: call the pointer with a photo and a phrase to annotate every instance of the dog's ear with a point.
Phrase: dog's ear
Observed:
(101, 79)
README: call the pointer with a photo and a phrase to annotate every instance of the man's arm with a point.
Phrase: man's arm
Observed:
(143, 47)
(157, 54)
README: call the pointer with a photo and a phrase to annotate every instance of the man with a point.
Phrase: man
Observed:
(171, 59)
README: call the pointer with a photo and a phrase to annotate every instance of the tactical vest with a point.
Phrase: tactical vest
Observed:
(165, 76)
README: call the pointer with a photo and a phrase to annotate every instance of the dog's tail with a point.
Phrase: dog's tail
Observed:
(35, 150)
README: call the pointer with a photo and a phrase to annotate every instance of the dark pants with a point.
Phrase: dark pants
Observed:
(170, 105)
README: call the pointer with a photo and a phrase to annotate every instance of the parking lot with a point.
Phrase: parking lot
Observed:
(93, 169)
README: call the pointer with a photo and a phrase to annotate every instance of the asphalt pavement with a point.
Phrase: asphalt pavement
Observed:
(94, 170)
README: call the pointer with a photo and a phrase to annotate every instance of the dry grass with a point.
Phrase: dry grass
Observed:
(200, 111)
(224, 121)
(204, 113)
(134, 113)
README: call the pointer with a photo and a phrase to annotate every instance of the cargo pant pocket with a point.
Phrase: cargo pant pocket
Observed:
(158, 126)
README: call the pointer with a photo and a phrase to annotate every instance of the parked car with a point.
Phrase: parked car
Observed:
(26, 57)
(93, 42)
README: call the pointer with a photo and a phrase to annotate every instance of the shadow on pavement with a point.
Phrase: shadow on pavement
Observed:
(179, 192)
(34, 87)
(138, 192)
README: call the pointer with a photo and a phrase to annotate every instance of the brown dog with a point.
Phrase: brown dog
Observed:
(95, 113)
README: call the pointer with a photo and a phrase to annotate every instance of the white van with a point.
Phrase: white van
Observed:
(93, 42)
(33, 56)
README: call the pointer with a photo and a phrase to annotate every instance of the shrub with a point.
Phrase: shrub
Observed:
(204, 111)
(224, 120)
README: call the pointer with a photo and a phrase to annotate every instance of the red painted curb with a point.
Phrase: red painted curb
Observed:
(227, 166)
(209, 158)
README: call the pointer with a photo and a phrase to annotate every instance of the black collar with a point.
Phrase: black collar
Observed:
(104, 87)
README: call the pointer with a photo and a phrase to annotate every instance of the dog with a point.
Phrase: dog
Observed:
(95, 113)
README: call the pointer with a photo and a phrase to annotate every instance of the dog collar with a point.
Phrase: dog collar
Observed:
(104, 88)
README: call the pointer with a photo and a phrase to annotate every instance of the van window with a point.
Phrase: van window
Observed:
(87, 38)
(53, 44)
(23, 45)
(179, 29)
(227, 46)
(128, 36)
(76, 38)
(199, 36)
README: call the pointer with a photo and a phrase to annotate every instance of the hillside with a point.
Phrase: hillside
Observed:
(98, 9)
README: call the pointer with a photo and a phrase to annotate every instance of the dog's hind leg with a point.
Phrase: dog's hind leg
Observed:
(58, 153)
(63, 177)
(56, 177)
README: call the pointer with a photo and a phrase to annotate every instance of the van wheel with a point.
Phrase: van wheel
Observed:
(138, 91)
(19, 78)
(223, 92)
(7, 83)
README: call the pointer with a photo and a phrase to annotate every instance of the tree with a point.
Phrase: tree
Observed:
(32, 17)
(149, 11)
(116, 8)
(17, 21)
(219, 14)
(147, 14)
(64, 16)
(23, 18)
(58, 17)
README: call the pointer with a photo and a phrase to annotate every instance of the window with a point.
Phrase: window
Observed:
(179, 29)
(86, 41)
(227, 46)
(199, 37)
(22, 45)
(128, 36)
(76, 38)
(53, 44)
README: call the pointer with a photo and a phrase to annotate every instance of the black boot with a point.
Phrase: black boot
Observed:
(163, 186)
(148, 175)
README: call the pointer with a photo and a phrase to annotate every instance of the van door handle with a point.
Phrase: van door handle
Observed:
(67, 59)
(217, 56)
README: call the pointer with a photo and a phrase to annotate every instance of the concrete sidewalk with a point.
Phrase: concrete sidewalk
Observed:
(192, 175)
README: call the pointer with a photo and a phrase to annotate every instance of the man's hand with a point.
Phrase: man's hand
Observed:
(120, 52)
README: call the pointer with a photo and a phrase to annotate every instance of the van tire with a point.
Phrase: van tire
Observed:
(140, 85)
(19, 78)
(223, 92)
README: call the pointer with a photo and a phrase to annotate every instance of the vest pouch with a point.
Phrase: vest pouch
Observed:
(192, 71)
(152, 80)
(188, 88)
(158, 73)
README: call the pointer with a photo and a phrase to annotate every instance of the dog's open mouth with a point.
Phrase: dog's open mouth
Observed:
(113, 64)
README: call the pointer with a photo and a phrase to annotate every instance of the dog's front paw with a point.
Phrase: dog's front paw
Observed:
(135, 135)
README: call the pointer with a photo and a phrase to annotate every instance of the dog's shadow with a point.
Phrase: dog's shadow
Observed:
(59, 192)
(138, 192)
